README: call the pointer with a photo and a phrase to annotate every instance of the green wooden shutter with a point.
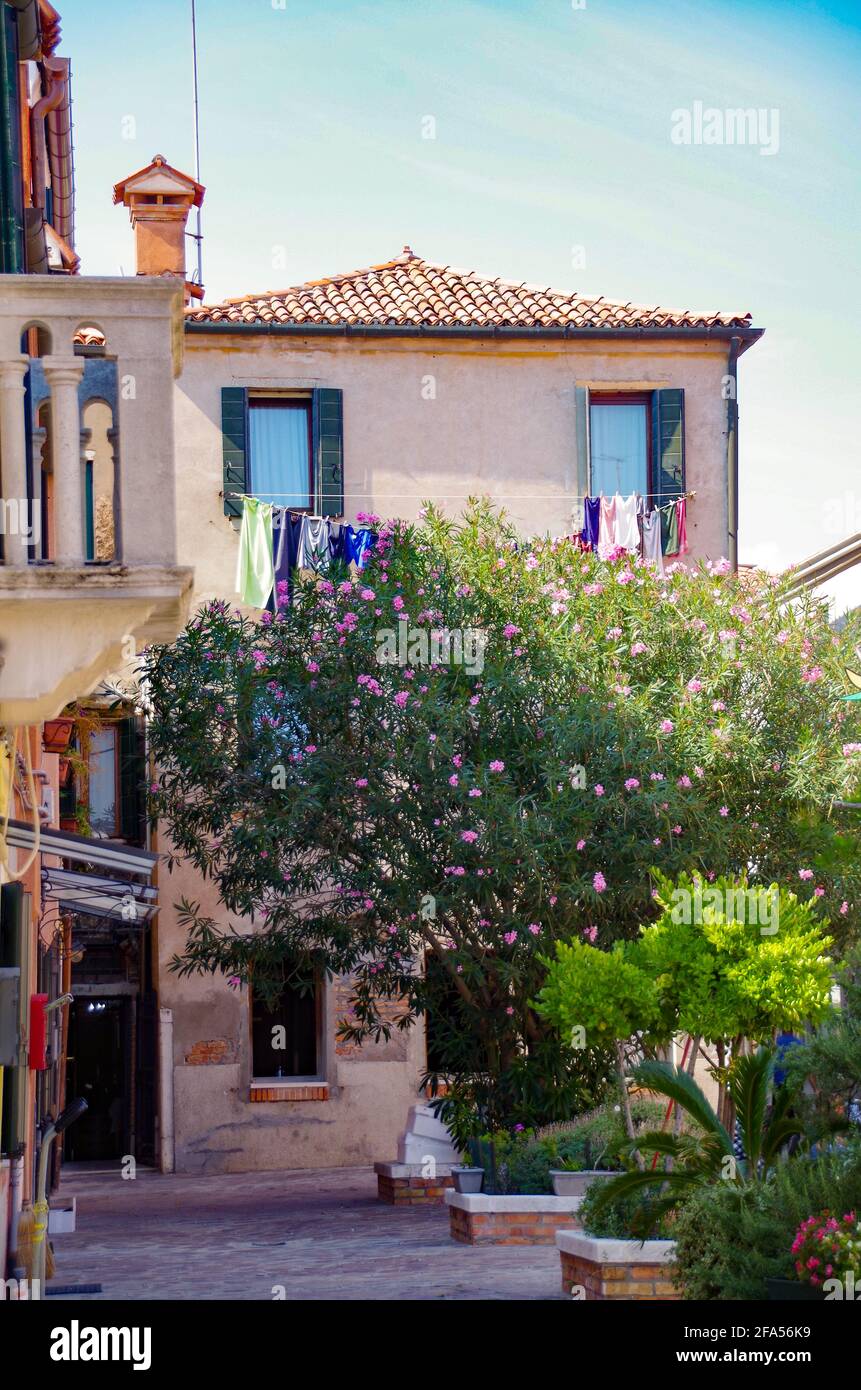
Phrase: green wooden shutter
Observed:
(668, 443)
(234, 443)
(328, 444)
(132, 756)
(581, 427)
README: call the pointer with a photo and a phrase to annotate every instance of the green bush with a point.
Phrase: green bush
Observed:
(522, 1162)
(625, 1218)
(730, 1240)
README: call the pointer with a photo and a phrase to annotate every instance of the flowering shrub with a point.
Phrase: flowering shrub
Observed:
(371, 814)
(827, 1247)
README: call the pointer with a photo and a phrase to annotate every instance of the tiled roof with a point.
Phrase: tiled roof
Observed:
(409, 292)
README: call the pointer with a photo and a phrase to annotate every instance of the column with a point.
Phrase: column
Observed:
(13, 460)
(63, 375)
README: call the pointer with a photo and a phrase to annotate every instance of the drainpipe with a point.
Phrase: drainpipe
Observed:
(167, 1156)
(732, 450)
(54, 73)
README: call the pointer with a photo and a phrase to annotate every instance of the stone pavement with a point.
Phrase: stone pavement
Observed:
(318, 1234)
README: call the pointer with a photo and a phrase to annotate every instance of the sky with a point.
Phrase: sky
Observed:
(534, 140)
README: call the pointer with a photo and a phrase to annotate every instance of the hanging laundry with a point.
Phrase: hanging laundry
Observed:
(670, 528)
(682, 509)
(357, 545)
(607, 527)
(626, 529)
(255, 570)
(336, 542)
(286, 530)
(652, 539)
(591, 521)
(313, 542)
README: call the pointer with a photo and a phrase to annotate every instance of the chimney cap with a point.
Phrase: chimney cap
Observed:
(158, 177)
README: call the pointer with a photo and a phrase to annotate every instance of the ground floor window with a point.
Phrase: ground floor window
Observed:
(285, 1034)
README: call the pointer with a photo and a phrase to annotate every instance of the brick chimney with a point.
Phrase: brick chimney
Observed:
(159, 199)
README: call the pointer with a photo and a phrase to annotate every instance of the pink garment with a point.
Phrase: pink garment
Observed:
(682, 512)
(607, 527)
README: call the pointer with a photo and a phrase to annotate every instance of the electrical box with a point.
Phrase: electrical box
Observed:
(10, 1015)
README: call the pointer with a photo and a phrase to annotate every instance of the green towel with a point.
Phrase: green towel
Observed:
(255, 572)
(670, 529)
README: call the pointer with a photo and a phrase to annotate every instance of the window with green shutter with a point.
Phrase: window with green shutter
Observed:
(234, 444)
(328, 442)
(264, 449)
(668, 443)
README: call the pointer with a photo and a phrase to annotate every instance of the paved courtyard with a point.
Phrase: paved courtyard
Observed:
(314, 1235)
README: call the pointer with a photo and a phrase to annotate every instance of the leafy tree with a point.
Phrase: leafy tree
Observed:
(377, 816)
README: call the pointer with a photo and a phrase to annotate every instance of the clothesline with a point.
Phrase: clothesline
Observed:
(514, 497)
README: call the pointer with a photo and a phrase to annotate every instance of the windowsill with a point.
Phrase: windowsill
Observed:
(288, 1089)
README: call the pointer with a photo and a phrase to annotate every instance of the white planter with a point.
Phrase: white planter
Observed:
(61, 1219)
(568, 1183)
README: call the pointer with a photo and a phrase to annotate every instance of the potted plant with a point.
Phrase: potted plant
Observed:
(467, 1179)
(826, 1258)
(574, 1175)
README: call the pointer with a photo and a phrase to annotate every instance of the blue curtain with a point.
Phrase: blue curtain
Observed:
(618, 448)
(278, 448)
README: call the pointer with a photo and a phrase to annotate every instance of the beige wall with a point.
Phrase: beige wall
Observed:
(502, 421)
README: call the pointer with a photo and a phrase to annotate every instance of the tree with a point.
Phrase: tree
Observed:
(473, 750)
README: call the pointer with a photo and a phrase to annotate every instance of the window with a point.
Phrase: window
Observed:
(279, 448)
(285, 1035)
(620, 440)
(102, 778)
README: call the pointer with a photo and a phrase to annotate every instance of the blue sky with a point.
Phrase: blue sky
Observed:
(552, 132)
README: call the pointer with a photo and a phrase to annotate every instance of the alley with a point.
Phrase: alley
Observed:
(316, 1235)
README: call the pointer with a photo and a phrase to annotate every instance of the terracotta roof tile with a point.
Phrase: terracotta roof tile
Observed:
(409, 291)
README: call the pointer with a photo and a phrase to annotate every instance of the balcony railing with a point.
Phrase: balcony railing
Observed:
(70, 348)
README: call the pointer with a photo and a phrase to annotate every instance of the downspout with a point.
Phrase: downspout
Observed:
(54, 74)
(11, 193)
(732, 450)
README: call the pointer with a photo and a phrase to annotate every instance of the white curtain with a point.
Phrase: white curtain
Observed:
(618, 448)
(278, 446)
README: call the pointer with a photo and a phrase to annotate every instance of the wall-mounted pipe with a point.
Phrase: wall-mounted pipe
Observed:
(54, 73)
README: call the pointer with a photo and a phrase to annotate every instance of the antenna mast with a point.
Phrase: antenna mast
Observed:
(198, 236)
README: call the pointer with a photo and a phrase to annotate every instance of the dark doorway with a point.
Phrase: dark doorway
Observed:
(98, 1070)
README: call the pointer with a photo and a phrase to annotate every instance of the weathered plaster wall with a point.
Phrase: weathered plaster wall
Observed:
(502, 421)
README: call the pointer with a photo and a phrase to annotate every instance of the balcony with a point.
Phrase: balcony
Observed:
(87, 491)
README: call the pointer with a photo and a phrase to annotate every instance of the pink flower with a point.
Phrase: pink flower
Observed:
(510, 630)
(666, 726)
(591, 934)
(581, 844)
(724, 811)
(599, 790)
(534, 928)
(684, 781)
(360, 782)
(397, 603)
(637, 648)
(695, 687)
(532, 562)
(497, 765)
(811, 676)
(599, 883)
(510, 1009)
(718, 706)
(805, 874)
(631, 784)
(469, 836)
(368, 595)
(819, 892)
(844, 908)
(510, 937)
(475, 791)
(453, 780)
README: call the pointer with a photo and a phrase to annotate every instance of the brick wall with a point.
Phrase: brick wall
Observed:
(412, 1192)
(509, 1227)
(617, 1281)
(213, 1052)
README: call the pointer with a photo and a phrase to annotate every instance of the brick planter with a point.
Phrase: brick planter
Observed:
(402, 1184)
(478, 1219)
(616, 1269)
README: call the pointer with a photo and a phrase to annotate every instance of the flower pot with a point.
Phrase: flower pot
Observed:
(467, 1179)
(792, 1290)
(571, 1183)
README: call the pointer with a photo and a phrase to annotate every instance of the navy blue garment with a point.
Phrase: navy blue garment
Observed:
(784, 1042)
(357, 545)
(286, 530)
(336, 543)
(591, 521)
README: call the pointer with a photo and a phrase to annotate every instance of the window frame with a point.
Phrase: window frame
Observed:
(273, 400)
(647, 400)
(319, 1077)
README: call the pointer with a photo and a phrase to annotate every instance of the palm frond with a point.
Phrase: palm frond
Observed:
(677, 1085)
